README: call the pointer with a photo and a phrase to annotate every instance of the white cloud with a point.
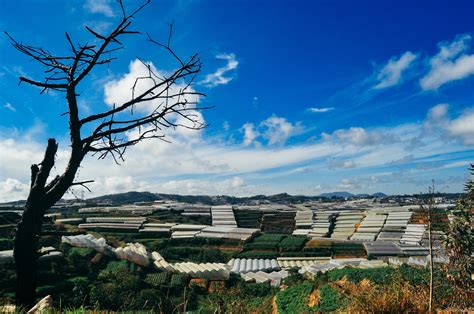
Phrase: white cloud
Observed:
(320, 110)
(100, 7)
(460, 128)
(12, 189)
(250, 134)
(222, 76)
(9, 107)
(119, 91)
(463, 127)
(277, 130)
(391, 73)
(358, 136)
(450, 64)
(344, 164)
(438, 112)
(155, 166)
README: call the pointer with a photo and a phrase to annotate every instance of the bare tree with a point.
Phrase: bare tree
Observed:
(111, 129)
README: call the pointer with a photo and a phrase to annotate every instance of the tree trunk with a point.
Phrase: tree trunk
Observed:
(25, 250)
(26, 254)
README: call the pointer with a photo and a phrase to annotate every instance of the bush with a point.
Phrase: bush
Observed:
(115, 287)
(381, 275)
(329, 299)
(256, 289)
(148, 299)
(294, 299)
(78, 259)
(80, 292)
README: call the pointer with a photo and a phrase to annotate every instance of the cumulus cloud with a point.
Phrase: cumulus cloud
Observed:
(320, 110)
(223, 75)
(100, 7)
(460, 128)
(250, 134)
(357, 136)
(275, 130)
(391, 73)
(463, 127)
(452, 63)
(157, 166)
(9, 107)
(118, 91)
(12, 189)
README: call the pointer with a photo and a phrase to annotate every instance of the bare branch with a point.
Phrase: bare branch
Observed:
(83, 184)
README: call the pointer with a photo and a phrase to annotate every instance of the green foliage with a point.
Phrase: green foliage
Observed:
(193, 254)
(292, 243)
(329, 299)
(270, 238)
(177, 280)
(157, 279)
(115, 287)
(80, 291)
(6, 244)
(381, 275)
(415, 276)
(155, 244)
(55, 288)
(305, 254)
(148, 299)
(348, 248)
(261, 246)
(294, 299)
(256, 289)
(258, 254)
(460, 241)
(294, 277)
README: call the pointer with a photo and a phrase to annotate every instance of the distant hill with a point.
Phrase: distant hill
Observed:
(133, 197)
(342, 194)
(125, 198)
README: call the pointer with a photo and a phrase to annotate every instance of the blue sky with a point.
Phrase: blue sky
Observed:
(309, 96)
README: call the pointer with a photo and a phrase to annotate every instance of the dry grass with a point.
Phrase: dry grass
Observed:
(397, 297)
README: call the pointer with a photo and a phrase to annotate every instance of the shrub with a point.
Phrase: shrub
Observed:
(294, 299)
(329, 299)
(115, 287)
(256, 289)
(381, 275)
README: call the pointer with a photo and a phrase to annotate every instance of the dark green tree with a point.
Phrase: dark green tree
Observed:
(460, 242)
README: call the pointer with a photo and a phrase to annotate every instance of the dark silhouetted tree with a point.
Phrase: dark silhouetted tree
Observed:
(102, 134)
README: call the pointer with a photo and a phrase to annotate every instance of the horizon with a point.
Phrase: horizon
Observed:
(308, 99)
